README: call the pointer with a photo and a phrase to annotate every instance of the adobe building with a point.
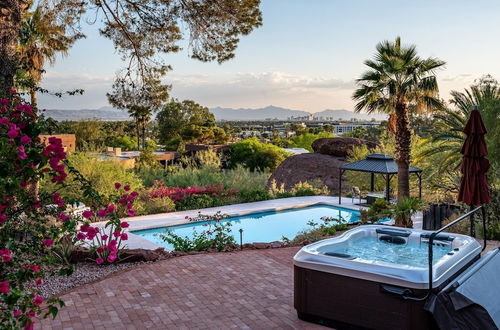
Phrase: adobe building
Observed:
(68, 141)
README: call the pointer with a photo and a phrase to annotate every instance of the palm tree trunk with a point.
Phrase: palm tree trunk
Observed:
(403, 145)
(11, 13)
(34, 98)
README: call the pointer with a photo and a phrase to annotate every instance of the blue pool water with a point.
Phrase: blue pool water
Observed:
(411, 254)
(261, 227)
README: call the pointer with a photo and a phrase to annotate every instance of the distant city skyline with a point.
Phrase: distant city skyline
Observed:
(306, 56)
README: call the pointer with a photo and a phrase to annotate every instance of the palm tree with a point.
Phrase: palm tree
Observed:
(447, 138)
(41, 39)
(398, 81)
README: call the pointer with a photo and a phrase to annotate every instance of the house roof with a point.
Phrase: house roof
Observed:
(377, 163)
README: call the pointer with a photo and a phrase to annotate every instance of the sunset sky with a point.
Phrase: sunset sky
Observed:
(306, 56)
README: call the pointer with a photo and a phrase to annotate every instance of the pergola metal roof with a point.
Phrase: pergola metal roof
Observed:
(377, 163)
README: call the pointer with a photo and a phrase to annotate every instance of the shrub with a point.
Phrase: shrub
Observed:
(101, 175)
(148, 175)
(311, 188)
(378, 210)
(254, 195)
(404, 210)
(306, 140)
(193, 202)
(146, 205)
(216, 236)
(328, 226)
(256, 155)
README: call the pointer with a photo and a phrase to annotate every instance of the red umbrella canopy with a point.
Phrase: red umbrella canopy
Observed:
(474, 183)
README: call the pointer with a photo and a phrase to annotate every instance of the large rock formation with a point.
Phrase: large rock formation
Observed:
(339, 146)
(308, 167)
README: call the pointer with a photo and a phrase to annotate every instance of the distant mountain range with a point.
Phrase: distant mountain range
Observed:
(269, 112)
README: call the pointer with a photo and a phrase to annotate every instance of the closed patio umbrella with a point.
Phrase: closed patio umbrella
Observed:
(474, 189)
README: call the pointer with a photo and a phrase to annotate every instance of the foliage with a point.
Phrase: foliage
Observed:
(328, 226)
(256, 155)
(41, 39)
(399, 81)
(159, 190)
(100, 174)
(306, 140)
(147, 159)
(188, 122)
(311, 188)
(253, 195)
(378, 210)
(369, 133)
(30, 228)
(217, 235)
(405, 209)
(125, 142)
(194, 202)
(146, 205)
(139, 101)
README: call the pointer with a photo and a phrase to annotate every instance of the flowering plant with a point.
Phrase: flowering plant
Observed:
(108, 241)
(159, 190)
(31, 223)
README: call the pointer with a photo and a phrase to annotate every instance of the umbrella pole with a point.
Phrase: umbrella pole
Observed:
(472, 224)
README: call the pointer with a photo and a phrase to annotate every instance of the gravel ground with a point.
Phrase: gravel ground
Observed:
(84, 273)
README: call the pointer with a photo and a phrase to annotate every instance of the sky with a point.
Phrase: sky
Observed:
(306, 56)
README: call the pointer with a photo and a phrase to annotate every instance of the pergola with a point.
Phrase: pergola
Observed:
(378, 164)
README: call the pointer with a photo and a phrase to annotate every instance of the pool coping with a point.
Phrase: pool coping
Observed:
(179, 218)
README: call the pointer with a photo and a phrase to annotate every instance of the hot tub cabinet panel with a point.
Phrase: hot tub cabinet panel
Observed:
(346, 291)
(349, 303)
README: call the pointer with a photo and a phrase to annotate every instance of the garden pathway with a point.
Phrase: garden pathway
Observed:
(251, 289)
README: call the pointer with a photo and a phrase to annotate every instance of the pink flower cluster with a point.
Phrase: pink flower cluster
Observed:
(177, 193)
(55, 151)
(6, 255)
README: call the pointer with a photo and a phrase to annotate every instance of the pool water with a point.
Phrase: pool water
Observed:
(261, 227)
(411, 254)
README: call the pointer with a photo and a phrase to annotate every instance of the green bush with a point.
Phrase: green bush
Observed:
(380, 209)
(256, 155)
(149, 175)
(306, 140)
(101, 174)
(145, 206)
(216, 236)
(327, 227)
(193, 202)
(254, 195)
(311, 188)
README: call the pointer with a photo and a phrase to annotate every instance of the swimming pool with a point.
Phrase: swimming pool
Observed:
(261, 227)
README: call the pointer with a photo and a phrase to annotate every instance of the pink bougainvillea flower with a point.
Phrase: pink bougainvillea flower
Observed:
(122, 201)
(29, 325)
(84, 228)
(37, 300)
(13, 131)
(99, 261)
(3, 217)
(63, 217)
(39, 281)
(21, 153)
(126, 188)
(35, 268)
(124, 225)
(104, 237)
(30, 313)
(130, 205)
(16, 312)
(100, 249)
(101, 213)
(48, 242)
(131, 213)
(116, 234)
(4, 287)
(87, 214)
(4, 121)
(111, 208)
(81, 236)
(25, 139)
(111, 257)
(124, 236)
(117, 185)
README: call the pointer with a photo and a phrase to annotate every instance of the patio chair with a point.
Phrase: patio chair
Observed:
(355, 192)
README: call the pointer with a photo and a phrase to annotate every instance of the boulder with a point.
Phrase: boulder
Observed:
(339, 146)
(308, 167)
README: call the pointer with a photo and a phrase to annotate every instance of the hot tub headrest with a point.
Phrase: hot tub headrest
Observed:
(439, 237)
(394, 232)
(393, 239)
(339, 255)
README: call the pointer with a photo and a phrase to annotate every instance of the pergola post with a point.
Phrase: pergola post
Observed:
(387, 186)
(419, 185)
(340, 185)
(372, 182)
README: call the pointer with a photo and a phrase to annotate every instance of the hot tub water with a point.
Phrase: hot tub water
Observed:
(372, 249)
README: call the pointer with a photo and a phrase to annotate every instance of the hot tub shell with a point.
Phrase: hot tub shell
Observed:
(355, 293)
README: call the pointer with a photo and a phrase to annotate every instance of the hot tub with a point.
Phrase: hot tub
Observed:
(367, 276)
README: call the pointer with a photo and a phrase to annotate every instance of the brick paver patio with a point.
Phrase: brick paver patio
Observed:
(250, 289)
